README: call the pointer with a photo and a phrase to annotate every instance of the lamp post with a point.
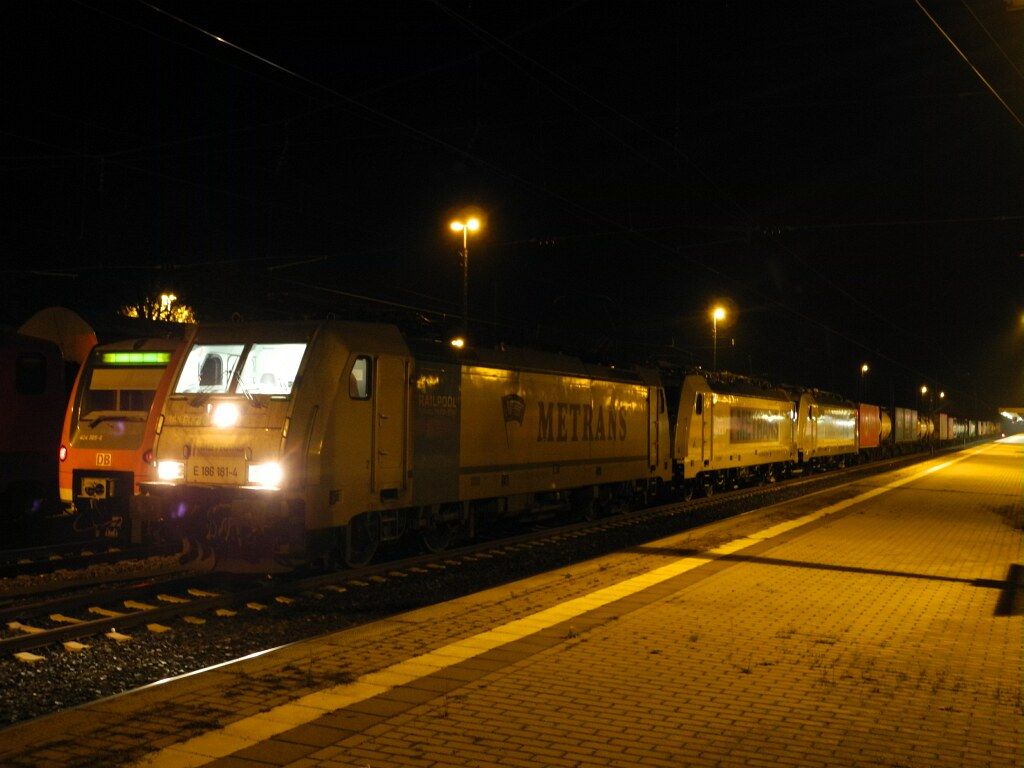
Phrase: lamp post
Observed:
(718, 313)
(465, 227)
(863, 373)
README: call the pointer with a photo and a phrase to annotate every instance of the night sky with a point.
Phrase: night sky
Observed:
(837, 172)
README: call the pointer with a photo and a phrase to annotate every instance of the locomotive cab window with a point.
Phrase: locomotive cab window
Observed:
(209, 368)
(698, 406)
(270, 369)
(359, 384)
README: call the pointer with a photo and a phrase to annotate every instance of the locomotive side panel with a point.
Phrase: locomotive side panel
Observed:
(527, 432)
(718, 429)
(826, 427)
(436, 416)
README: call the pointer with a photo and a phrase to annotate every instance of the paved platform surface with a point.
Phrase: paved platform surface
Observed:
(874, 625)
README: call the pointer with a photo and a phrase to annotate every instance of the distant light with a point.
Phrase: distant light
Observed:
(473, 225)
(718, 313)
(458, 342)
(924, 390)
(941, 395)
(864, 368)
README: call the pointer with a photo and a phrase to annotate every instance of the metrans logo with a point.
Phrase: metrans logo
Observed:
(572, 422)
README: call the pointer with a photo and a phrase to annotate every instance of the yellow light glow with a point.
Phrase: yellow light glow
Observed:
(924, 390)
(170, 470)
(225, 415)
(941, 395)
(718, 313)
(458, 342)
(864, 368)
(269, 474)
(471, 225)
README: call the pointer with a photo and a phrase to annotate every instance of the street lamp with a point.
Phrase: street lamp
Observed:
(718, 313)
(471, 224)
(863, 373)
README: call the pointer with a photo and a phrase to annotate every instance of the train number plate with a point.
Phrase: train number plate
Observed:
(222, 471)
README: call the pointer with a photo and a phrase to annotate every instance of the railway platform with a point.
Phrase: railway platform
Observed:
(876, 624)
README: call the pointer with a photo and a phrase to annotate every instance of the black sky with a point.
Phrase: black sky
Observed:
(837, 171)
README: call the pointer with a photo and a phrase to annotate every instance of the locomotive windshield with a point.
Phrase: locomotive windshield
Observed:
(256, 369)
(116, 394)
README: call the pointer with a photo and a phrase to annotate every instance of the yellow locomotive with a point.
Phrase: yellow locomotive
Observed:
(329, 438)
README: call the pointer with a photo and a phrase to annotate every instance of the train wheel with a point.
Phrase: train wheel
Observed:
(686, 491)
(440, 537)
(589, 509)
(362, 537)
(707, 486)
(445, 525)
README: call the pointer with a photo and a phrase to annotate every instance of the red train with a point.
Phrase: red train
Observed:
(37, 365)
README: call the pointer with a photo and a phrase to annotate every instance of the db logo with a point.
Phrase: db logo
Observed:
(103, 460)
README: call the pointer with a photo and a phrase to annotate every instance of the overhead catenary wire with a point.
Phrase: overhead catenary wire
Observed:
(980, 76)
(639, 234)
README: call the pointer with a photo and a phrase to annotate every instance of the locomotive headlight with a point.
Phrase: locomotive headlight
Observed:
(225, 415)
(269, 474)
(170, 470)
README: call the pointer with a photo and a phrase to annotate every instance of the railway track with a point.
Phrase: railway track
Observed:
(154, 603)
(32, 561)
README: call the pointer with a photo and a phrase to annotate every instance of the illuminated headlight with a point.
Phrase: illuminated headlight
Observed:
(170, 470)
(225, 415)
(269, 474)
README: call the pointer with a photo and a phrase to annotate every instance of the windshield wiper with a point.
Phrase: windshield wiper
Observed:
(239, 386)
(114, 417)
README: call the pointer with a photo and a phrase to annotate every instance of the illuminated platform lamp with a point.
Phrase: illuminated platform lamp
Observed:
(471, 224)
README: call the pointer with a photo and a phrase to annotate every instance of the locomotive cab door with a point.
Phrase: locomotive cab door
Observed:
(390, 427)
(702, 407)
(655, 407)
